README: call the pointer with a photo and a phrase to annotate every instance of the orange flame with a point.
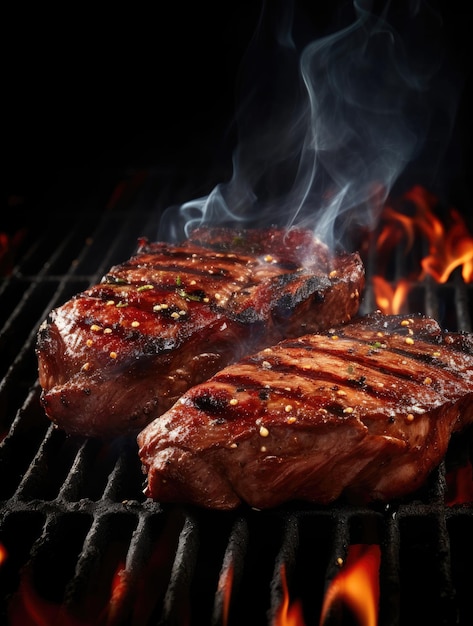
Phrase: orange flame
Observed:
(448, 248)
(390, 300)
(357, 585)
(449, 251)
(288, 614)
(115, 595)
(28, 608)
(398, 228)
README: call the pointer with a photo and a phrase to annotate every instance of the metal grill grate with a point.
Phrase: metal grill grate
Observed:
(73, 514)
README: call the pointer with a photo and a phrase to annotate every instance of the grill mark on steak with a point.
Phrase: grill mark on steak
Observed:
(377, 360)
(328, 384)
(316, 418)
(118, 355)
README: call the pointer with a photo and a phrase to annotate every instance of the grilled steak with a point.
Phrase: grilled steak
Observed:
(119, 354)
(364, 411)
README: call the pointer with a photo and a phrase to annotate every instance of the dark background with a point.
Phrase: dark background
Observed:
(91, 94)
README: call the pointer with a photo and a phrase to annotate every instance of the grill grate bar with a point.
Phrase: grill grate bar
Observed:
(38, 470)
(176, 605)
(80, 503)
(69, 490)
(461, 303)
(231, 572)
(390, 573)
(285, 564)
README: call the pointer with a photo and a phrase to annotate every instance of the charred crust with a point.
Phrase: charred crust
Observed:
(43, 333)
(318, 297)
(151, 346)
(285, 306)
(196, 295)
(211, 403)
(113, 279)
(336, 409)
(248, 316)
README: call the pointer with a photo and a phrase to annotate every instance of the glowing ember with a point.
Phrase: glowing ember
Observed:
(225, 584)
(460, 485)
(8, 247)
(289, 614)
(357, 585)
(3, 554)
(28, 608)
(118, 594)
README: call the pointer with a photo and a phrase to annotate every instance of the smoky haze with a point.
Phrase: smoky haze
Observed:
(326, 123)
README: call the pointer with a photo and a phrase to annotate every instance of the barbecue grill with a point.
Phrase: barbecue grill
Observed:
(80, 544)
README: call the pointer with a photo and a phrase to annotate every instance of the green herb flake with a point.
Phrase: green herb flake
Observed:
(188, 296)
(376, 345)
(145, 288)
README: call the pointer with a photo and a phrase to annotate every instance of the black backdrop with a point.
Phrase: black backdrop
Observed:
(88, 91)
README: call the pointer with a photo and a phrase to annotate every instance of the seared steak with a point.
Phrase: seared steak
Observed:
(364, 411)
(121, 353)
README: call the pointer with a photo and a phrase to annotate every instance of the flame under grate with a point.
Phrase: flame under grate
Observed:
(80, 539)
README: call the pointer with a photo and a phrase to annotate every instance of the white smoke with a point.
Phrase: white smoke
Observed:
(326, 128)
